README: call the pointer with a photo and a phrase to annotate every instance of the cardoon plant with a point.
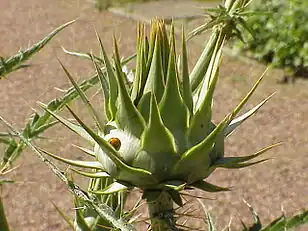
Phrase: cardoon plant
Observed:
(156, 132)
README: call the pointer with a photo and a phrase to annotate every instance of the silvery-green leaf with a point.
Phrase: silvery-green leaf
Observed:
(74, 127)
(113, 188)
(92, 174)
(239, 120)
(84, 99)
(77, 163)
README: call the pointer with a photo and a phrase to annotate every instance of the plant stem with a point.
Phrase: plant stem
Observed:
(161, 213)
(3, 222)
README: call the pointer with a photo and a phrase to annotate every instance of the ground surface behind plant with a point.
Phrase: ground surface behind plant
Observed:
(282, 181)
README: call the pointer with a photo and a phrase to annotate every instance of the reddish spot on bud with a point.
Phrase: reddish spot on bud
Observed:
(115, 142)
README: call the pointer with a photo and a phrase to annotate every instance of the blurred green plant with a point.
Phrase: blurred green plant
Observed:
(281, 223)
(105, 4)
(278, 35)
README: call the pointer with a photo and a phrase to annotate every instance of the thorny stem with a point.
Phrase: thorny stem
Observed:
(161, 213)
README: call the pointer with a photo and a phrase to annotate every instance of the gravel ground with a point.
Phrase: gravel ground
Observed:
(280, 182)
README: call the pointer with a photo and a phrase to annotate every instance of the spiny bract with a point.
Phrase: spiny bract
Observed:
(159, 133)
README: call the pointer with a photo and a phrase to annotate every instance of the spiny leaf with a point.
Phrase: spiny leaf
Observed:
(205, 186)
(172, 101)
(127, 117)
(225, 161)
(154, 129)
(187, 92)
(64, 216)
(84, 99)
(201, 121)
(14, 62)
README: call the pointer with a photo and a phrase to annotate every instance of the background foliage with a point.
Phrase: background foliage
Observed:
(280, 34)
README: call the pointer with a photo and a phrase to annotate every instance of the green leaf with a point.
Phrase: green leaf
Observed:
(105, 89)
(243, 165)
(14, 62)
(194, 163)
(127, 117)
(174, 185)
(156, 149)
(141, 72)
(297, 220)
(205, 186)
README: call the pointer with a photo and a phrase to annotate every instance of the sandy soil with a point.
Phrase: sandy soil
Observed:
(282, 181)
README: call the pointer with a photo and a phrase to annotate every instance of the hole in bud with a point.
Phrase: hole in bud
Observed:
(115, 142)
